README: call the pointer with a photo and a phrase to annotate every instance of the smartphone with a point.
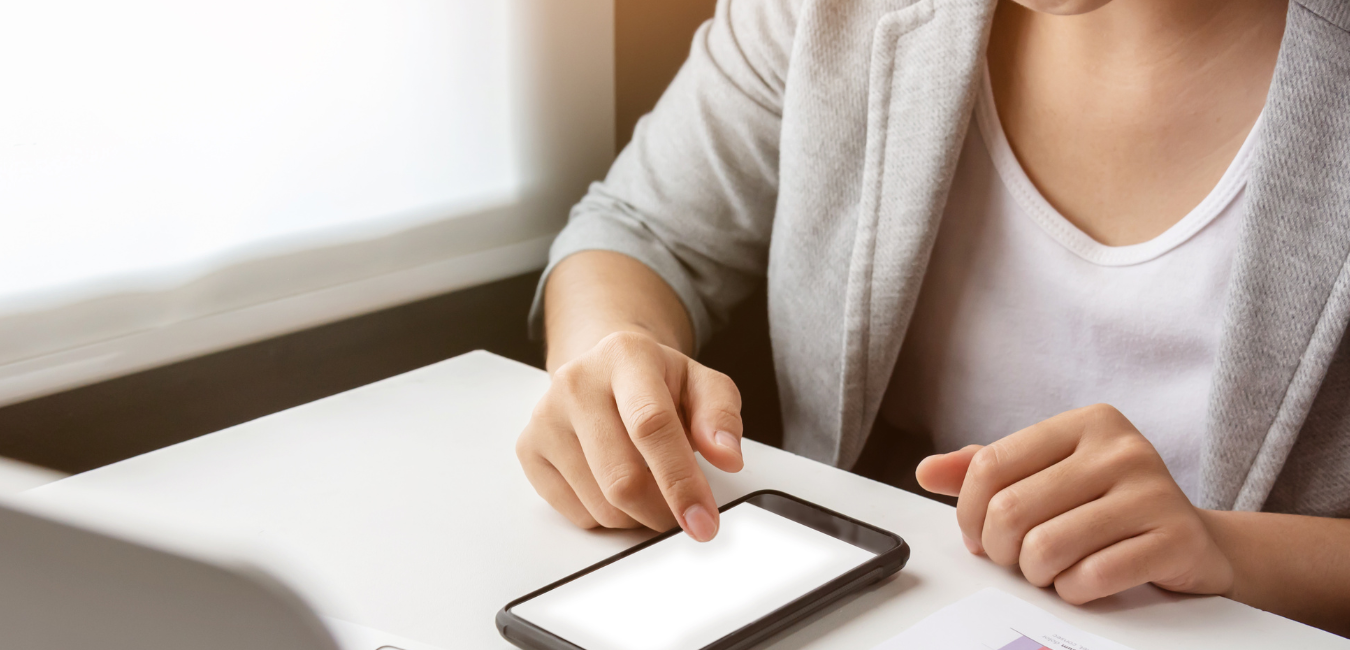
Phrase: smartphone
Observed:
(776, 560)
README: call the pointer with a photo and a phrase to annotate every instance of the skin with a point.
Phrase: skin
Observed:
(612, 442)
(1082, 502)
(1125, 114)
(1126, 117)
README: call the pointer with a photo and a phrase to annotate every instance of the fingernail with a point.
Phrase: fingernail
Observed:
(699, 524)
(727, 440)
(971, 545)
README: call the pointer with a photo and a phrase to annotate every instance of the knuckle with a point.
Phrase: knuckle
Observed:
(1099, 420)
(531, 444)
(1007, 510)
(1038, 556)
(681, 482)
(622, 345)
(1134, 445)
(647, 418)
(623, 487)
(1109, 419)
(726, 415)
(728, 388)
(1102, 412)
(551, 406)
(567, 379)
(536, 440)
(1093, 577)
(524, 446)
(1135, 453)
(985, 463)
(541, 409)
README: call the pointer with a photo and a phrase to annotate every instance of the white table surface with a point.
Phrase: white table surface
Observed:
(406, 497)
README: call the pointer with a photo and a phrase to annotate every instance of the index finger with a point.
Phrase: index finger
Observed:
(1010, 460)
(645, 405)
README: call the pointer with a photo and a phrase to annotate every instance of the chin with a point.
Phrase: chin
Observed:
(1063, 7)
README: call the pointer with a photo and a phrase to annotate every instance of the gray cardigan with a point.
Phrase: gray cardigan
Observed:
(814, 141)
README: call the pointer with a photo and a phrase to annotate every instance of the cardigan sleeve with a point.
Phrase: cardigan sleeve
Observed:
(693, 195)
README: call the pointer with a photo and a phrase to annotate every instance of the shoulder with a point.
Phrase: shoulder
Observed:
(1336, 12)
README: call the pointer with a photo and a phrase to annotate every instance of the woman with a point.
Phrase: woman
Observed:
(977, 219)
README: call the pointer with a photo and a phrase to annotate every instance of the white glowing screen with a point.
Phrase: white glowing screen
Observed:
(683, 595)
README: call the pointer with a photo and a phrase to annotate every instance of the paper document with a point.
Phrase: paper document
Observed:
(995, 620)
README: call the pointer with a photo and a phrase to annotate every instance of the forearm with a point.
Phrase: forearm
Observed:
(593, 294)
(1294, 566)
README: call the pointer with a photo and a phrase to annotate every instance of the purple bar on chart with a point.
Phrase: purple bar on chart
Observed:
(1023, 643)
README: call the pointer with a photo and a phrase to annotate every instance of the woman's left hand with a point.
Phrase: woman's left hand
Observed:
(1084, 502)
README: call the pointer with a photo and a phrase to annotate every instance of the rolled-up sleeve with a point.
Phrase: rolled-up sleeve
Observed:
(693, 195)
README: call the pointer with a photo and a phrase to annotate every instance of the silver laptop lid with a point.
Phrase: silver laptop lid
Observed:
(65, 586)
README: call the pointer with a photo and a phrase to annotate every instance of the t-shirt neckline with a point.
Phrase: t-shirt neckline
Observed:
(1034, 204)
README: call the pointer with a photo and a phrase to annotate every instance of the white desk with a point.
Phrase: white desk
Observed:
(406, 496)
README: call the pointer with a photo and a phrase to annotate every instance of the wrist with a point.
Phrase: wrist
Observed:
(565, 346)
(1291, 565)
(1227, 543)
(593, 294)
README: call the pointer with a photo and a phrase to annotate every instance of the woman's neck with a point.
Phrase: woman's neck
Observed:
(1126, 117)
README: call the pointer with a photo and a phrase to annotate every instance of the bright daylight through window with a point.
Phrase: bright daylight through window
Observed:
(182, 177)
(146, 140)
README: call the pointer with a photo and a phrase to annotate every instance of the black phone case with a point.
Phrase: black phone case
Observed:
(892, 553)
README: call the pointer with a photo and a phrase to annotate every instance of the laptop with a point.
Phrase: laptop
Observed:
(69, 582)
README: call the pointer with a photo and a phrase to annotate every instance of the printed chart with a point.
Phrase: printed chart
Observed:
(1023, 642)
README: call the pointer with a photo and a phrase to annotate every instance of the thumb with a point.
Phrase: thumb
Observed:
(944, 473)
(713, 405)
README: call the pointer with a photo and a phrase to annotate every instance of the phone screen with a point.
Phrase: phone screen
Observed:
(679, 594)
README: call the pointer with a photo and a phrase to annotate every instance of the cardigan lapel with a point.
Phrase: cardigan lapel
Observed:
(1290, 293)
(924, 68)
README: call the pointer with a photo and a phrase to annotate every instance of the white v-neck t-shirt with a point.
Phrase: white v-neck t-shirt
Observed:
(1022, 316)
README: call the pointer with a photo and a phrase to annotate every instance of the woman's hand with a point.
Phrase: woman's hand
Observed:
(612, 442)
(1084, 502)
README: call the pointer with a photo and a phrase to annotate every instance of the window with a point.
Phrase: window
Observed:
(179, 177)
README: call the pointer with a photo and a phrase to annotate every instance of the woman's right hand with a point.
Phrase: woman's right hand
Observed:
(612, 442)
